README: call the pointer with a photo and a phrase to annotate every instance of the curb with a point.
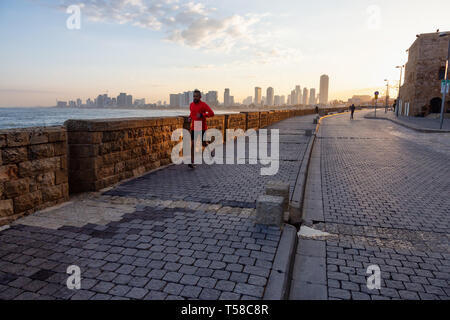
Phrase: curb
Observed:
(296, 203)
(278, 285)
(408, 126)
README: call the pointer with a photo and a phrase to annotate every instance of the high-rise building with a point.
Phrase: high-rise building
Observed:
(122, 100)
(129, 100)
(298, 95)
(101, 101)
(282, 100)
(277, 100)
(305, 96)
(324, 85)
(174, 102)
(270, 97)
(211, 98)
(294, 97)
(257, 95)
(61, 104)
(247, 101)
(312, 96)
(226, 98)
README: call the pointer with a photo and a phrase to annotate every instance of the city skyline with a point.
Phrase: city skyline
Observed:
(130, 46)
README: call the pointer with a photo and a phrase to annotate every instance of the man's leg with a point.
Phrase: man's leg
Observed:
(192, 166)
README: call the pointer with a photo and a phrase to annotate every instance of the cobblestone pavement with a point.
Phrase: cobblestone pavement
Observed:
(386, 202)
(417, 122)
(172, 234)
(232, 185)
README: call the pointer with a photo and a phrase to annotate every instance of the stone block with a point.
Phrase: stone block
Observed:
(40, 151)
(32, 168)
(6, 208)
(279, 189)
(85, 137)
(51, 193)
(16, 188)
(46, 179)
(61, 176)
(308, 132)
(269, 210)
(56, 135)
(60, 148)
(83, 150)
(38, 137)
(2, 140)
(8, 172)
(27, 201)
(14, 155)
(17, 139)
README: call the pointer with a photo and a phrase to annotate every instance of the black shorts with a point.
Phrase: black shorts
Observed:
(204, 143)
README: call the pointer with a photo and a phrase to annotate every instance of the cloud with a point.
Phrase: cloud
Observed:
(188, 23)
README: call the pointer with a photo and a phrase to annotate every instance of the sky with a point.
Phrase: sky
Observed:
(153, 48)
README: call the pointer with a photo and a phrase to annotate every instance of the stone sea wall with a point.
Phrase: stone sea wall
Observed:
(104, 152)
(33, 170)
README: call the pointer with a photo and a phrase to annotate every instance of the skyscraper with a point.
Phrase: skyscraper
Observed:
(129, 100)
(174, 101)
(324, 84)
(211, 98)
(269, 99)
(277, 101)
(226, 98)
(298, 95)
(122, 100)
(312, 96)
(305, 96)
(257, 95)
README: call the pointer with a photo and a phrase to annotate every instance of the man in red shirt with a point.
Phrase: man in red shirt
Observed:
(200, 111)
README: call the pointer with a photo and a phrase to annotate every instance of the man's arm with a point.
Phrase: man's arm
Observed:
(208, 113)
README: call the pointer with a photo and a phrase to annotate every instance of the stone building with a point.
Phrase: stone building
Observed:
(420, 95)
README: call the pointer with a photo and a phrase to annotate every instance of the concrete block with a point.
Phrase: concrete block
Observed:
(269, 210)
(308, 132)
(279, 189)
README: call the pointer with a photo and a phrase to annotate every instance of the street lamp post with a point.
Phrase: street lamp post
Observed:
(399, 86)
(387, 96)
(445, 78)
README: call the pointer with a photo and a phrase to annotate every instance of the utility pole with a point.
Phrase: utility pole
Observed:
(399, 86)
(387, 96)
(446, 85)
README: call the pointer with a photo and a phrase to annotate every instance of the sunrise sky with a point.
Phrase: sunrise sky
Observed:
(152, 48)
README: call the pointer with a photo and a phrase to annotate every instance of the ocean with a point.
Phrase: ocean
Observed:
(32, 117)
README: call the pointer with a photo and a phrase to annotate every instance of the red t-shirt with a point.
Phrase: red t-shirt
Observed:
(198, 109)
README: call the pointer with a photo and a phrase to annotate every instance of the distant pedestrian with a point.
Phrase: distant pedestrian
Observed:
(200, 111)
(352, 110)
(316, 110)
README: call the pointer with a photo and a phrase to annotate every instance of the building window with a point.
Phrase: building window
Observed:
(442, 73)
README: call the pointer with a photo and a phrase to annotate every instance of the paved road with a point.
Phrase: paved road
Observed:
(386, 202)
(415, 122)
(171, 234)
